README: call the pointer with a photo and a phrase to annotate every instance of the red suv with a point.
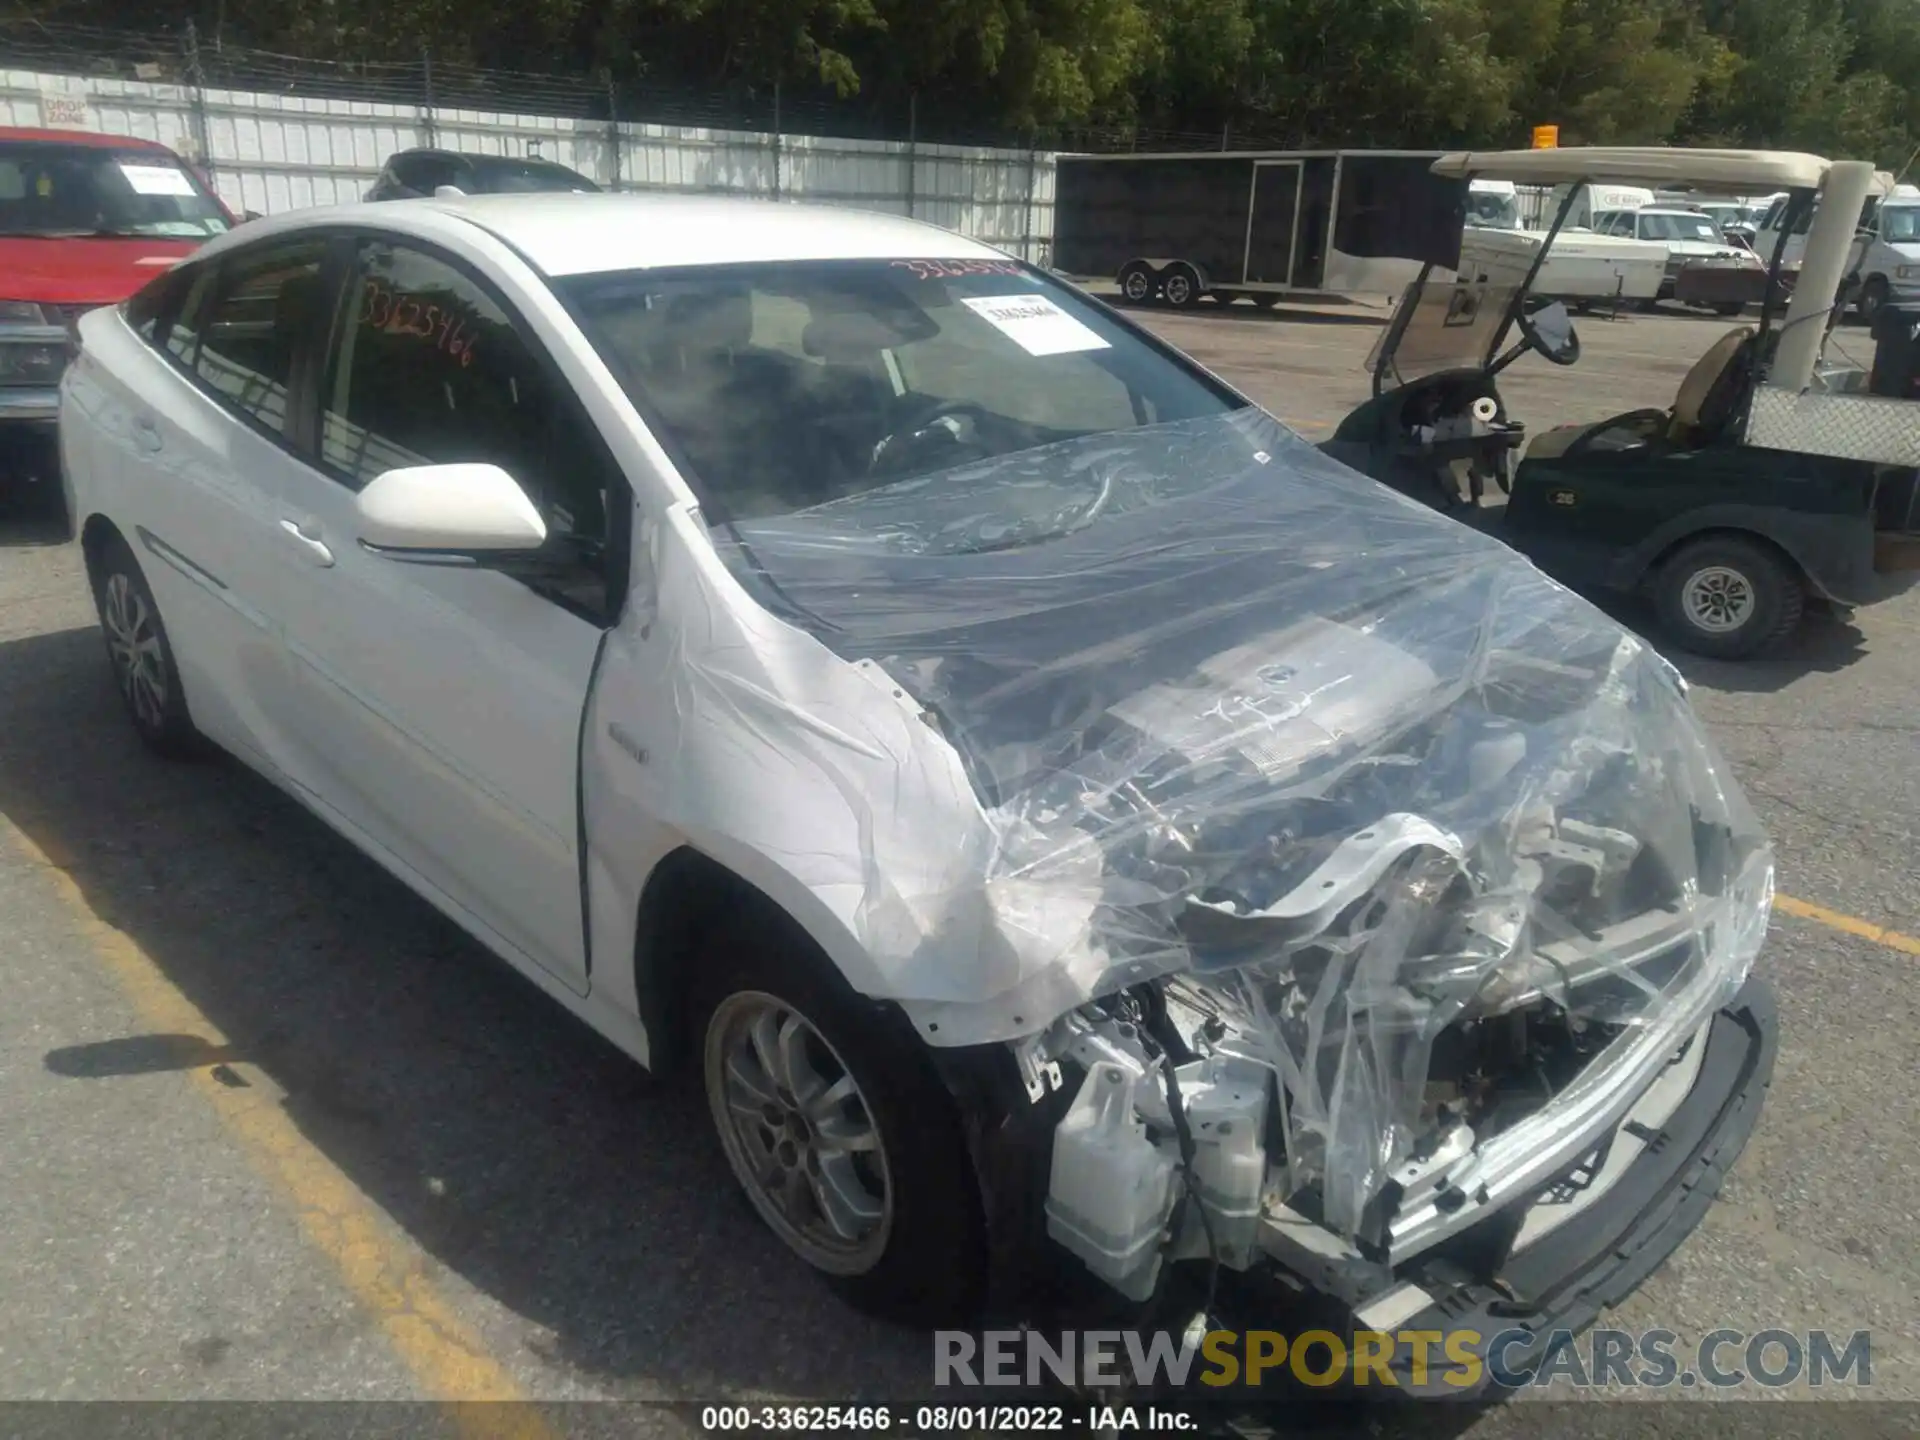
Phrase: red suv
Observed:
(85, 220)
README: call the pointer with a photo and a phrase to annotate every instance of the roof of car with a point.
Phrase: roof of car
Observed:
(579, 234)
(80, 137)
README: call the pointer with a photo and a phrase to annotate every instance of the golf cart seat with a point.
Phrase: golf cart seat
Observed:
(1701, 409)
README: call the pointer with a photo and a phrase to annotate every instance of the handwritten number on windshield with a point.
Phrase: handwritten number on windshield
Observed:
(956, 269)
(393, 314)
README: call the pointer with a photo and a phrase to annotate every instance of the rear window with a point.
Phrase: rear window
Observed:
(527, 177)
(49, 189)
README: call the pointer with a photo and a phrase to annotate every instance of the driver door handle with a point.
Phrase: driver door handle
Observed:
(307, 534)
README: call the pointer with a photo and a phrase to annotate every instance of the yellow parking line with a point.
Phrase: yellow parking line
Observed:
(380, 1270)
(1878, 934)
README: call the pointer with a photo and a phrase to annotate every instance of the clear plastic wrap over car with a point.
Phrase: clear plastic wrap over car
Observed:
(1358, 774)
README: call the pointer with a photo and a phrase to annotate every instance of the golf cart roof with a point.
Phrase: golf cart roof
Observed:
(1670, 165)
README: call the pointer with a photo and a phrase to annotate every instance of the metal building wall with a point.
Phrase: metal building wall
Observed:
(271, 153)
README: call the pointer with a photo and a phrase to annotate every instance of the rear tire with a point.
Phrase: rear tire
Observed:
(874, 1189)
(1728, 308)
(1181, 286)
(1266, 302)
(141, 654)
(1137, 284)
(1729, 597)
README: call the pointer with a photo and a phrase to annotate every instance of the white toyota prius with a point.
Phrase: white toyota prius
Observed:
(1080, 833)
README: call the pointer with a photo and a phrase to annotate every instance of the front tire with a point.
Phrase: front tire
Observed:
(1729, 598)
(141, 654)
(1137, 283)
(838, 1129)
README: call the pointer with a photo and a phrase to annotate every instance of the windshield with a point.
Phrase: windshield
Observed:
(50, 189)
(1450, 327)
(1900, 223)
(1492, 212)
(781, 387)
(1677, 227)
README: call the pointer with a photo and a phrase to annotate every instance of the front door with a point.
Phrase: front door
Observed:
(1273, 222)
(438, 707)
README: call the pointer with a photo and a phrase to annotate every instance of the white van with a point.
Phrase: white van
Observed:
(1598, 200)
(1888, 261)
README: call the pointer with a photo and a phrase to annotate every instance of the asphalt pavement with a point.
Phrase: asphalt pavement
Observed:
(274, 1129)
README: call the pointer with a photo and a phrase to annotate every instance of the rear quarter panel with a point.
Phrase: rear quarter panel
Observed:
(141, 494)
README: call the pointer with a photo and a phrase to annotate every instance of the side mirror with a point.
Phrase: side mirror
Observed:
(436, 513)
(1549, 330)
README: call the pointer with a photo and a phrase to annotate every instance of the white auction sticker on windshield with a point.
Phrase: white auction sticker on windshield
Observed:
(1035, 324)
(157, 180)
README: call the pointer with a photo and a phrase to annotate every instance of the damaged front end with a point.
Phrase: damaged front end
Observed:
(1346, 875)
(1417, 987)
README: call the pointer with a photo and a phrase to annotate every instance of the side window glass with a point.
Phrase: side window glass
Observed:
(265, 312)
(150, 308)
(428, 369)
(182, 336)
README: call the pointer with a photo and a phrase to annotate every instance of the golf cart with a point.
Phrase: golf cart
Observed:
(1773, 480)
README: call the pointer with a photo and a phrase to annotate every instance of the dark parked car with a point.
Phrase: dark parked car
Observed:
(414, 173)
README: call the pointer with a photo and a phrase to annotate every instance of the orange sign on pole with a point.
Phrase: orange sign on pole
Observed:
(1546, 137)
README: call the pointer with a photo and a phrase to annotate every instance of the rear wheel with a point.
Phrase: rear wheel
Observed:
(1729, 597)
(1266, 302)
(1137, 283)
(140, 653)
(1181, 286)
(837, 1127)
(1728, 308)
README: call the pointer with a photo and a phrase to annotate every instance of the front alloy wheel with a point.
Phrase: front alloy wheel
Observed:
(837, 1124)
(799, 1133)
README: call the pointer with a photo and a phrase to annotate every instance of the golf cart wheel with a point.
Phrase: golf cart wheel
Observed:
(1873, 298)
(1729, 597)
(1180, 286)
(140, 653)
(1137, 283)
(837, 1128)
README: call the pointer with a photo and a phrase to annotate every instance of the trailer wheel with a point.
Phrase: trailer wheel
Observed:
(1137, 283)
(1181, 286)
(1224, 297)
(1266, 302)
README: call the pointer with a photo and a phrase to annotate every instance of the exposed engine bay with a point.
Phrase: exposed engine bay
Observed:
(1342, 840)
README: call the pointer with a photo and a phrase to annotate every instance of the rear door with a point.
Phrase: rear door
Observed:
(194, 415)
(1273, 222)
(437, 708)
